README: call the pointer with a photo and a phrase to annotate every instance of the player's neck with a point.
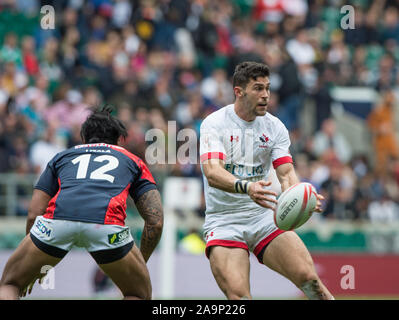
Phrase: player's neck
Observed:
(244, 114)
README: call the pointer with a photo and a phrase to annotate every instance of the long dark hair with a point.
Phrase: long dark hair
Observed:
(101, 126)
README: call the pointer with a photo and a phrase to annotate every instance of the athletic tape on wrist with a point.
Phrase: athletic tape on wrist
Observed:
(241, 186)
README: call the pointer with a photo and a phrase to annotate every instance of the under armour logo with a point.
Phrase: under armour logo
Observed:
(233, 138)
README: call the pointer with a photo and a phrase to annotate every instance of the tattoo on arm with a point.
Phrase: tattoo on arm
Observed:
(149, 206)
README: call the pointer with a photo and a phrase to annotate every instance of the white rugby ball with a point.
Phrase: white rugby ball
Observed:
(295, 206)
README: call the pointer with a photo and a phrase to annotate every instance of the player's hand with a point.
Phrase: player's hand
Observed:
(318, 203)
(263, 197)
(29, 287)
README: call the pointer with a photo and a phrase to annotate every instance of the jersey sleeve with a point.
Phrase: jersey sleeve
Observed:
(48, 181)
(211, 142)
(280, 152)
(144, 182)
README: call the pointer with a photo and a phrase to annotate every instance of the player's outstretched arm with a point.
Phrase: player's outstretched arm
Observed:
(286, 175)
(37, 207)
(150, 208)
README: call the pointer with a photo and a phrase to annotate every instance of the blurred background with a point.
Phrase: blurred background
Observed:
(335, 88)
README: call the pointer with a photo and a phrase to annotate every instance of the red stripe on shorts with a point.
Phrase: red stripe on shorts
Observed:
(225, 243)
(266, 241)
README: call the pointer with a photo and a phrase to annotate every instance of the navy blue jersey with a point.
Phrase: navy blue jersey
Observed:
(91, 183)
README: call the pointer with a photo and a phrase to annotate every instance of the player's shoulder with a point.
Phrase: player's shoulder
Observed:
(128, 154)
(216, 119)
(60, 155)
(274, 122)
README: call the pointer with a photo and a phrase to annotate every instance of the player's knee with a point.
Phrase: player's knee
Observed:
(145, 293)
(9, 282)
(304, 276)
(148, 293)
(239, 296)
(243, 297)
(238, 293)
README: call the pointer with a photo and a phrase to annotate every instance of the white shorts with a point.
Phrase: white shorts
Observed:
(105, 242)
(252, 231)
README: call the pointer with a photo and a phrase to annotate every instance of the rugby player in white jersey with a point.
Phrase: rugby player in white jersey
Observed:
(239, 144)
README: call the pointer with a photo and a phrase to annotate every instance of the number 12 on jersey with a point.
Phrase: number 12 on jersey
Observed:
(99, 173)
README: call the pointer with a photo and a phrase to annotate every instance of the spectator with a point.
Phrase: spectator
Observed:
(44, 149)
(64, 114)
(10, 52)
(390, 28)
(383, 211)
(289, 92)
(322, 98)
(338, 191)
(300, 49)
(382, 126)
(29, 57)
(328, 139)
(121, 13)
(217, 88)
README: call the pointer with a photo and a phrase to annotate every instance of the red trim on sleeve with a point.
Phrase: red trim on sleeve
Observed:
(282, 160)
(213, 155)
(49, 214)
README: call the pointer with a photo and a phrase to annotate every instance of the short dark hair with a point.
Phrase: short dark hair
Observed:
(247, 71)
(101, 126)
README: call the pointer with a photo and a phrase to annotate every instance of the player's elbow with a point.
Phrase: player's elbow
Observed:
(211, 181)
(212, 177)
(32, 214)
(156, 222)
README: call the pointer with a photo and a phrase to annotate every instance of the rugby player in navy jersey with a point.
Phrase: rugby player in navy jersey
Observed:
(80, 200)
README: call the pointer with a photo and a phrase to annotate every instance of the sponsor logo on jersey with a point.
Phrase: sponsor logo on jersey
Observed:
(118, 237)
(244, 171)
(45, 230)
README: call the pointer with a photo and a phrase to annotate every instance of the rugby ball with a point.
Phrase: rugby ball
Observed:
(295, 206)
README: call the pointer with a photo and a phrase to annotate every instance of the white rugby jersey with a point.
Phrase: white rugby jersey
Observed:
(248, 149)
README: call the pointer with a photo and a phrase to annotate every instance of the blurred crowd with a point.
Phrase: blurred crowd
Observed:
(172, 60)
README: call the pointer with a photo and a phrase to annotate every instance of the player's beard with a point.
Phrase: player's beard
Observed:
(254, 109)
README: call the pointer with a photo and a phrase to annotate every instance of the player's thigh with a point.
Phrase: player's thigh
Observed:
(288, 255)
(230, 267)
(130, 274)
(26, 264)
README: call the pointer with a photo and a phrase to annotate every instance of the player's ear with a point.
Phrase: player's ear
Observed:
(239, 92)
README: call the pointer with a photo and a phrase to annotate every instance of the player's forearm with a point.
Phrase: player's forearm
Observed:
(287, 176)
(150, 238)
(221, 179)
(150, 208)
(37, 207)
